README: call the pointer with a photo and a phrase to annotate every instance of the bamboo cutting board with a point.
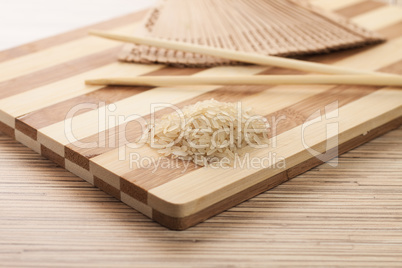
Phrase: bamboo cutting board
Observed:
(42, 94)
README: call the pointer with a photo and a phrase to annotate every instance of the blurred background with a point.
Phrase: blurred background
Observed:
(23, 21)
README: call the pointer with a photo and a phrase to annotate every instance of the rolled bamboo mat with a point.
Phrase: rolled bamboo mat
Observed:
(268, 27)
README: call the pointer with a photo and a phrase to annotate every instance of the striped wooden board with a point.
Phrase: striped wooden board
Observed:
(45, 105)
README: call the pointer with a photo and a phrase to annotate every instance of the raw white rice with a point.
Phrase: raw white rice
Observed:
(208, 131)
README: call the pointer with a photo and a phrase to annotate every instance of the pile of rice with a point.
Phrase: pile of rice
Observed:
(208, 132)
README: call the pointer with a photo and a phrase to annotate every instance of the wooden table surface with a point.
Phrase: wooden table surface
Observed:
(350, 215)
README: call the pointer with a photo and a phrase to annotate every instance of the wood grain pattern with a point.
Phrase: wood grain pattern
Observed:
(343, 216)
(35, 102)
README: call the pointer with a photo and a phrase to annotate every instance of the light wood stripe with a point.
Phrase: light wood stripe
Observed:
(79, 171)
(334, 5)
(141, 207)
(27, 141)
(377, 54)
(181, 197)
(57, 55)
(389, 15)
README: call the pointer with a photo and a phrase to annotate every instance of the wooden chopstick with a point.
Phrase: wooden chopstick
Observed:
(237, 55)
(163, 81)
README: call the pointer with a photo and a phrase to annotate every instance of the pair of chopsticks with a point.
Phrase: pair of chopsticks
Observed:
(339, 75)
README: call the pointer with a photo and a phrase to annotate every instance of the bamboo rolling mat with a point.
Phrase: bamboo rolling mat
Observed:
(269, 27)
(39, 88)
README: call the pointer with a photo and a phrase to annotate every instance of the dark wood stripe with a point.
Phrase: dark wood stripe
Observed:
(76, 158)
(68, 36)
(56, 73)
(359, 8)
(26, 129)
(392, 31)
(49, 154)
(9, 131)
(134, 191)
(107, 188)
(395, 68)
(298, 113)
(269, 183)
